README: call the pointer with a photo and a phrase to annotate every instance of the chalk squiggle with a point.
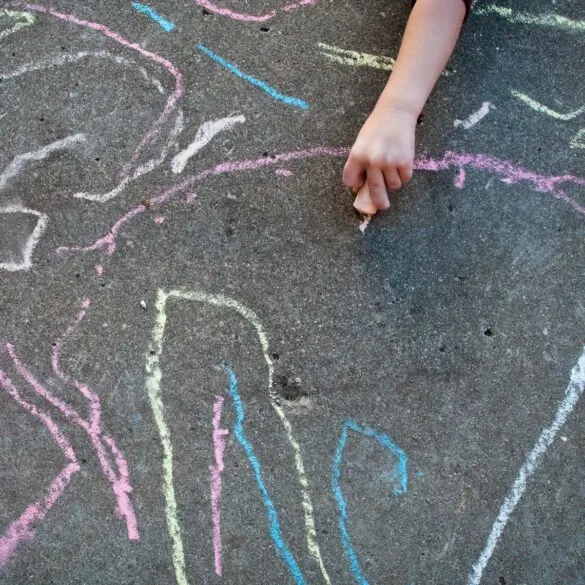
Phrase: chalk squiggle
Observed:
(23, 20)
(247, 17)
(507, 172)
(400, 476)
(23, 528)
(172, 102)
(119, 482)
(154, 390)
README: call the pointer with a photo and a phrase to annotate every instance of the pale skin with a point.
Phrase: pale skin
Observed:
(383, 154)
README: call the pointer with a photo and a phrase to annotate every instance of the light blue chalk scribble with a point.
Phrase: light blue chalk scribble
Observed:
(400, 474)
(275, 531)
(161, 21)
(291, 101)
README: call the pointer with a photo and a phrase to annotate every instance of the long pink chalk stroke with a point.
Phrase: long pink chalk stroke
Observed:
(101, 442)
(173, 99)
(246, 16)
(508, 172)
(219, 441)
(22, 529)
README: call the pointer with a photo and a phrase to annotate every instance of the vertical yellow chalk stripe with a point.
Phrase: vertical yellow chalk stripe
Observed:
(23, 19)
(153, 386)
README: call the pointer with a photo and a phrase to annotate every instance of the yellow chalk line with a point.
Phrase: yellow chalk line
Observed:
(153, 386)
(23, 19)
(551, 20)
(545, 110)
(355, 58)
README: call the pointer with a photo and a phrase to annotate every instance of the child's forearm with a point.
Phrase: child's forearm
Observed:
(429, 40)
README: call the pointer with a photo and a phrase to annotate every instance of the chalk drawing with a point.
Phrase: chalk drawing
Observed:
(22, 529)
(401, 484)
(506, 171)
(538, 107)
(29, 246)
(219, 440)
(205, 134)
(173, 100)
(578, 141)
(355, 58)
(165, 24)
(101, 442)
(288, 100)
(460, 180)
(474, 118)
(275, 531)
(19, 161)
(68, 59)
(545, 20)
(154, 390)
(246, 17)
(530, 466)
(23, 20)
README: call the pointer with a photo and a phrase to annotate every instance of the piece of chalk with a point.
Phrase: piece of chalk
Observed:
(366, 219)
(363, 201)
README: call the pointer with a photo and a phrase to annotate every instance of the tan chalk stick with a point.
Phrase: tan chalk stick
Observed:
(363, 201)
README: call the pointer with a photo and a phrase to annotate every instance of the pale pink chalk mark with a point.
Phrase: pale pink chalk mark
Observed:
(247, 17)
(160, 219)
(22, 529)
(174, 98)
(460, 180)
(99, 269)
(120, 482)
(284, 172)
(507, 171)
(219, 441)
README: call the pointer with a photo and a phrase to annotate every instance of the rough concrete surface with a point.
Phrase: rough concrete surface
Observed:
(400, 407)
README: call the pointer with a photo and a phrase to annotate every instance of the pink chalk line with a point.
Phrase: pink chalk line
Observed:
(120, 482)
(171, 103)
(245, 16)
(22, 529)
(219, 441)
(508, 172)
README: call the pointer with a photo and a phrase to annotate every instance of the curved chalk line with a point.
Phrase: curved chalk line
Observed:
(172, 101)
(73, 58)
(22, 529)
(530, 466)
(24, 20)
(246, 16)
(154, 390)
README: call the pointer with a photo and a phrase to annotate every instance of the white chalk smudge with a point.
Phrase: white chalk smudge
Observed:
(31, 242)
(475, 117)
(205, 134)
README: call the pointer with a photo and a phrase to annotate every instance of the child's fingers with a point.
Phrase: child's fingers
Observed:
(377, 186)
(353, 174)
(393, 180)
(405, 173)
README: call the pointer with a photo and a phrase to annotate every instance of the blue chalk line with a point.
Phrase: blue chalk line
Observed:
(161, 21)
(291, 101)
(399, 470)
(240, 435)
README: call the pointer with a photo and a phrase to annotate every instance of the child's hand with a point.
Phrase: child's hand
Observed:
(382, 155)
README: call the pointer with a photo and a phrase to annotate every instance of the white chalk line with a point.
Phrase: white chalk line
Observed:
(154, 389)
(71, 58)
(32, 240)
(528, 469)
(143, 169)
(20, 160)
(538, 107)
(578, 141)
(205, 134)
(23, 19)
(474, 118)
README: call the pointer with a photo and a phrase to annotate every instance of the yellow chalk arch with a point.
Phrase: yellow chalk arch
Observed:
(17, 20)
